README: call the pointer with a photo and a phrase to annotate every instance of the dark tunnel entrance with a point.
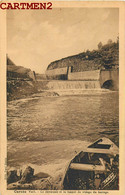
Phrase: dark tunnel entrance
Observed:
(108, 84)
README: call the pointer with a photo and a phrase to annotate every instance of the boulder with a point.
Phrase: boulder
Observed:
(12, 176)
(19, 186)
(27, 175)
(43, 184)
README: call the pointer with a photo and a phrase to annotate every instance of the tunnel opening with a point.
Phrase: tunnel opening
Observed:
(108, 85)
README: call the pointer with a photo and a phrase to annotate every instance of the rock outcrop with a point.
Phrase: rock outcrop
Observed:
(18, 72)
(107, 57)
(29, 180)
(27, 175)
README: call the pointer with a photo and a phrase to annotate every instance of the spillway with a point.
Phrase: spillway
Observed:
(63, 85)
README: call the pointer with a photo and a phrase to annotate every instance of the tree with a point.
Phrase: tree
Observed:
(109, 41)
(118, 39)
(100, 45)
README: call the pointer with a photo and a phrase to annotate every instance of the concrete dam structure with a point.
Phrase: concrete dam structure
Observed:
(109, 79)
(64, 85)
(65, 78)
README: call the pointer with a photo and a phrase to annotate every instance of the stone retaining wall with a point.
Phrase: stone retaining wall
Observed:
(85, 76)
(110, 75)
(58, 73)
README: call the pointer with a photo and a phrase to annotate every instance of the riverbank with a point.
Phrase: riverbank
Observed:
(20, 89)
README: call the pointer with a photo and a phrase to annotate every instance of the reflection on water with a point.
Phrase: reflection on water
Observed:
(81, 117)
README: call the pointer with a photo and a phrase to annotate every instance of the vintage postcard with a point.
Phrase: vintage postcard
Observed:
(62, 97)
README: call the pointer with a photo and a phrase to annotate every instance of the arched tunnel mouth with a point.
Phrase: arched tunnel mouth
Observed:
(108, 85)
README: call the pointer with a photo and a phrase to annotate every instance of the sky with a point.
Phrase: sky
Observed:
(35, 38)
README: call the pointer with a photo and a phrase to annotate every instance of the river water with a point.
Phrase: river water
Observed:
(80, 117)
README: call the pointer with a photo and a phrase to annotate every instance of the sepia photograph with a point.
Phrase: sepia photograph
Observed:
(62, 100)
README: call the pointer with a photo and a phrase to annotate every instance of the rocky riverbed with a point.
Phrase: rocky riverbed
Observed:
(40, 165)
(20, 89)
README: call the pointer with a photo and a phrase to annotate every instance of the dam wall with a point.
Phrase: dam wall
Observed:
(67, 74)
(86, 75)
(57, 74)
(62, 85)
(109, 79)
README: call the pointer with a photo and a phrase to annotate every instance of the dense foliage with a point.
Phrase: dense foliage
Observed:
(106, 57)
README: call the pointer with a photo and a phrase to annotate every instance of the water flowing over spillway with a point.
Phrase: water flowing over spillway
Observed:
(60, 85)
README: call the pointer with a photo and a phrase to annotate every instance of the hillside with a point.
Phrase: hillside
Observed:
(22, 83)
(105, 57)
(19, 81)
(16, 71)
